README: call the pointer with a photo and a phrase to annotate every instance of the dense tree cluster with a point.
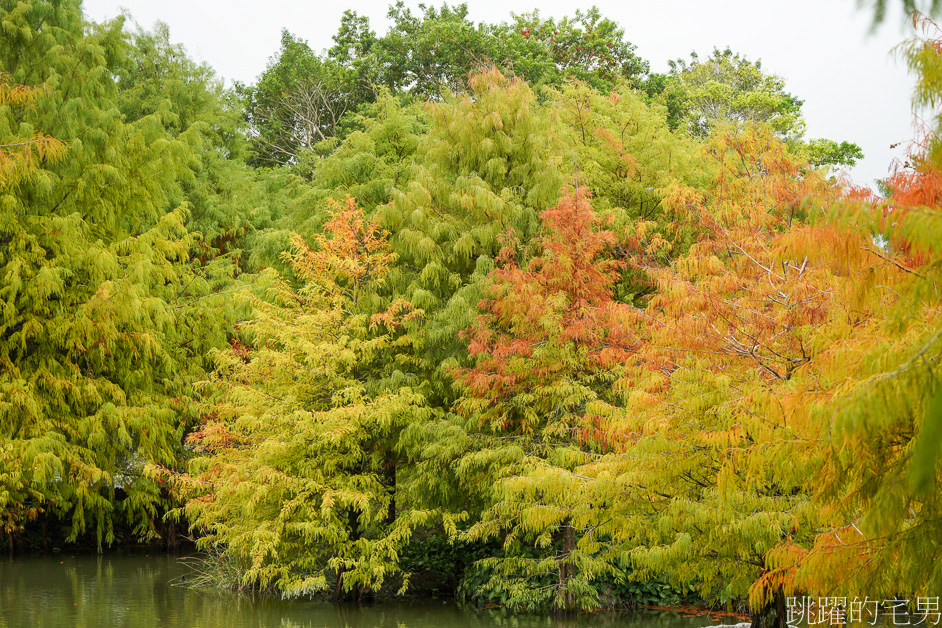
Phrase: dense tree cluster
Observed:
(494, 291)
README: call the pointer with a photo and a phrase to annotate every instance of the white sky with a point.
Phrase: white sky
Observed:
(852, 87)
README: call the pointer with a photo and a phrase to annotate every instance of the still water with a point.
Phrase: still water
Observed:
(137, 591)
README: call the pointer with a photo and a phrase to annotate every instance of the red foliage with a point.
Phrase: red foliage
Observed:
(553, 323)
(914, 185)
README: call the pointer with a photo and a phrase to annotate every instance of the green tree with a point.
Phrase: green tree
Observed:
(485, 167)
(297, 102)
(296, 484)
(103, 319)
(19, 158)
(433, 52)
(439, 49)
(624, 152)
(375, 155)
(587, 47)
(822, 152)
(228, 202)
(728, 88)
(546, 350)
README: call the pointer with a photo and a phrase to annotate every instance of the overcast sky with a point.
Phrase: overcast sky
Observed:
(853, 88)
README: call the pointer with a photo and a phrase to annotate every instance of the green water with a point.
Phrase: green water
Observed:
(136, 591)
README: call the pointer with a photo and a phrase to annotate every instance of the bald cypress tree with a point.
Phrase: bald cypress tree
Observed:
(296, 486)
(103, 318)
(547, 347)
(485, 170)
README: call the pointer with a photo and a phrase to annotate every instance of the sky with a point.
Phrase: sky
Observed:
(853, 87)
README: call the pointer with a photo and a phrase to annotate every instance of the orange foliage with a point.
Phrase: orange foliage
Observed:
(551, 324)
(354, 253)
(737, 294)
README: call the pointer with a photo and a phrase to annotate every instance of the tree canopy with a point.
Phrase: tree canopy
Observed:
(488, 292)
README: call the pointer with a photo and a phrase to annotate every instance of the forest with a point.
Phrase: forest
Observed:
(487, 308)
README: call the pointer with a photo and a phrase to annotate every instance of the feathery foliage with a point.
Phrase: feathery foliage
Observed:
(297, 485)
(546, 350)
(105, 319)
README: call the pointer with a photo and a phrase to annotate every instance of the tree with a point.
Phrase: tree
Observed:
(622, 149)
(375, 156)
(103, 320)
(586, 47)
(822, 152)
(434, 52)
(484, 167)
(546, 348)
(354, 39)
(711, 469)
(727, 88)
(295, 483)
(880, 473)
(228, 202)
(778, 433)
(19, 156)
(377, 153)
(297, 102)
(441, 48)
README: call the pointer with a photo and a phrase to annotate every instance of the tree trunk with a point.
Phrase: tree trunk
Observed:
(171, 536)
(772, 615)
(390, 473)
(567, 602)
(338, 588)
(353, 524)
(780, 611)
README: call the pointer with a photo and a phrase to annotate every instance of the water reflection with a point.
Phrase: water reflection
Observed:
(134, 591)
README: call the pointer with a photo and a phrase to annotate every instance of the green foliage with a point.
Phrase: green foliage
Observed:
(719, 375)
(104, 318)
(547, 347)
(376, 154)
(437, 50)
(622, 150)
(432, 53)
(298, 484)
(727, 88)
(228, 204)
(586, 47)
(484, 586)
(298, 102)
(483, 169)
(823, 152)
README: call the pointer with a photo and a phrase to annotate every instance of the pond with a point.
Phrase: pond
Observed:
(136, 591)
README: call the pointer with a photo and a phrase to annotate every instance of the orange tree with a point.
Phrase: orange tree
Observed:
(779, 427)
(711, 467)
(546, 349)
(880, 476)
